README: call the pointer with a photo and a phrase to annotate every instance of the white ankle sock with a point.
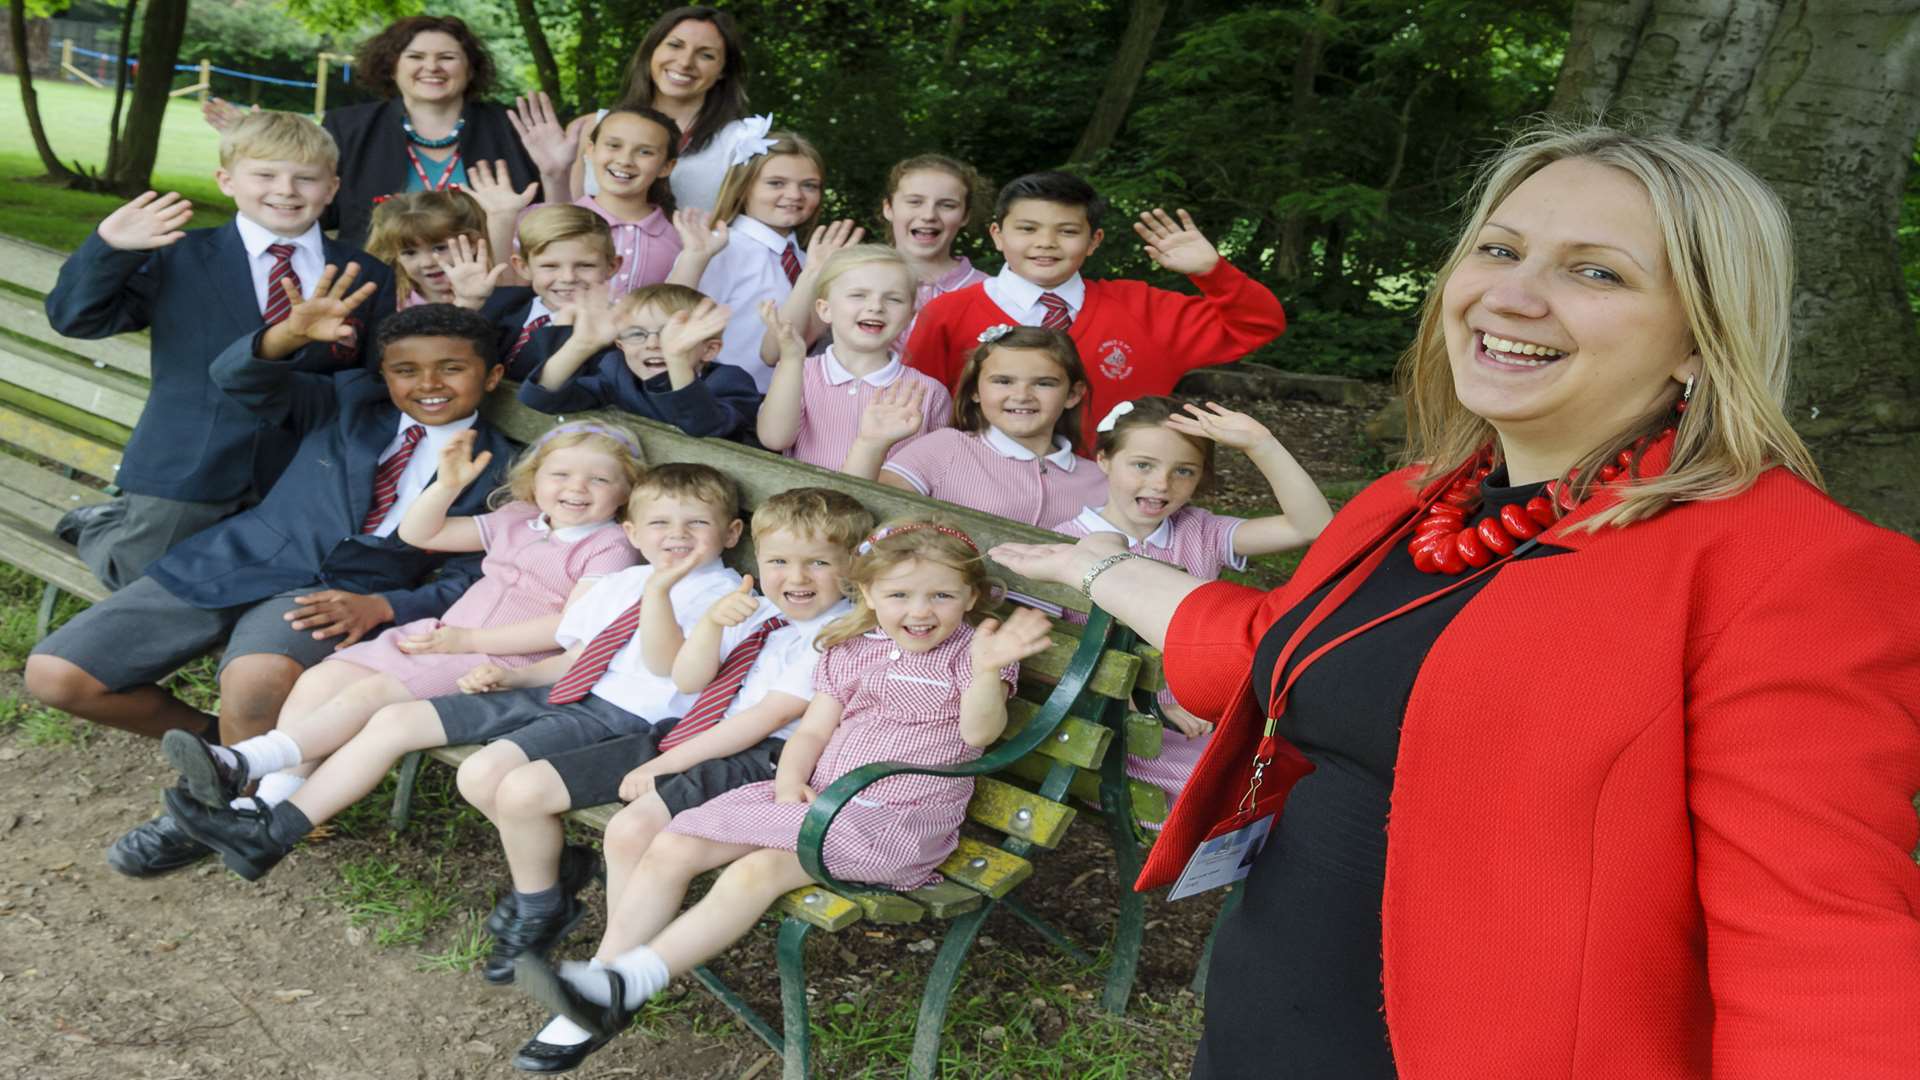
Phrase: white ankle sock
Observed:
(645, 974)
(561, 1031)
(277, 787)
(268, 753)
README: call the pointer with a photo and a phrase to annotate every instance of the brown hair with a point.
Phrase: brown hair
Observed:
(900, 544)
(377, 56)
(545, 226)
(726, 99)
(690, 480)
(968, 176)
(967, 414)
(740, 178)
(1153, 412)
(819, 513)
(668, 297)
(660, 192)
(417, 218)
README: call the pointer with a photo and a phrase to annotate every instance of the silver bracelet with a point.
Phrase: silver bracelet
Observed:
(1101, 567)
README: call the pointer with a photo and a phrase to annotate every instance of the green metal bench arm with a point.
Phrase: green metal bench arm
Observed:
(820, 815)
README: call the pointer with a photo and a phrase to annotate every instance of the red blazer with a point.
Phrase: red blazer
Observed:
(1685, 849)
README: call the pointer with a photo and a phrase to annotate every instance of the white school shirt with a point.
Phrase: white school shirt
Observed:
(832, 400)
(1020, 298)
(309, 256)
(995, 475)
(535, 310)
(785, 664)
(628, 684)
(420, 467)
(746, 272)
(696, 178)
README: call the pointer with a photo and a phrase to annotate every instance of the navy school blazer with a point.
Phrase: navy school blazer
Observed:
(306, 532)
(507, 308)
(374, 162)
(195, 296)
(722, 402)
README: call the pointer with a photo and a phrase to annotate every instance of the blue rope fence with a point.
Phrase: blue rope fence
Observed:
(346, 70)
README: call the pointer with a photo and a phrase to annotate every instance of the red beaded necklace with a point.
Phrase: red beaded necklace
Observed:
(1443, 543)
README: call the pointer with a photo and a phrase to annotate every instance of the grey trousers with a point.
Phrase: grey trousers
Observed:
(120, 542)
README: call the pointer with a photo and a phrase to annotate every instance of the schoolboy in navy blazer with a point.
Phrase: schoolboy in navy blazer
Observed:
(661, 366)
(509, 308)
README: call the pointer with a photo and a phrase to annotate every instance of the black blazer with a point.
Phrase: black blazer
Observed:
(306, 533)
(722, 401)
(507, 308)
(373, 157)
(196, 296)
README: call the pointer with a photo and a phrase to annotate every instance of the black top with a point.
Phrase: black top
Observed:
(1294, 988)
(373, 157)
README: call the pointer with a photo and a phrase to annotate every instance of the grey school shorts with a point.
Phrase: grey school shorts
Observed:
(143, 633)
(593, 774)
(525, 719)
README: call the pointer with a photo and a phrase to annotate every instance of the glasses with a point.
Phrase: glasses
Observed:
(640, 335)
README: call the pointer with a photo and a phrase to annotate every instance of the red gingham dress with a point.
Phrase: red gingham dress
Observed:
(900, 706)
(526, 574)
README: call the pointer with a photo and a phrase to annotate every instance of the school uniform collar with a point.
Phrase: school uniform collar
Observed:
(1091, 520)
(256, 238)
(839, 376)
(1027, 294)
(654, 224)
(538, 309)
(761, 233)
(956, 277)
(1001, 443)
(812, 627)
(435, 437)
(567, 534)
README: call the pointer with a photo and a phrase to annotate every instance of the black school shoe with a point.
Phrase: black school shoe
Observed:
(208, 779)
(541, 981)
(579, 865)
(520, 936)
(240, 836)
(535, 1056)
(75, 521)
(154, 848)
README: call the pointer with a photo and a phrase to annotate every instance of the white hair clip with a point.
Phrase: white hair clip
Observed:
(753, 141)
(994, 333)
(1118, 411)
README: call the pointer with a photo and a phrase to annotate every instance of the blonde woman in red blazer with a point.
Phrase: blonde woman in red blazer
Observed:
(1652, 752)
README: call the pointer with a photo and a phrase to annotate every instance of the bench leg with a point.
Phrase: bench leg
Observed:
(49, 598)
(1054, 937)
(793, 998)
(1228, 905)
(925, 1062)
(754, 1021)
(1116, 806)
(403, 790)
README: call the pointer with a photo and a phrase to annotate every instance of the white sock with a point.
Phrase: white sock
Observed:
(277, 787)
(644, 972)
(561, 1031)
(268, 753)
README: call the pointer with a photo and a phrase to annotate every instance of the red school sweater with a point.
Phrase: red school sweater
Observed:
(1135, 340)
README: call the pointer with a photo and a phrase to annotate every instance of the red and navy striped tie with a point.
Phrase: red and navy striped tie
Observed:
(526, 335)
(386, 479)
(278, 306)
(595, 658)
(712, 703)
(790, 262)
(1059, 316)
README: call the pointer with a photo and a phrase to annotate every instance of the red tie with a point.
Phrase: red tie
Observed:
(526, 335)
(386, 479)
(790, 262)
(595, 658)
(712, 703)
(1058, 316)
(278, 306)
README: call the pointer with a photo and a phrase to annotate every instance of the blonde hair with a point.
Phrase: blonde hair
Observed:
(814, 512)
(1729, 250)
(669, 298)
(609, 441)
(848, 259)
(279, 136)
(421, 219)
(901, 541)
(688, 480)
(740, 178)
(546, 226)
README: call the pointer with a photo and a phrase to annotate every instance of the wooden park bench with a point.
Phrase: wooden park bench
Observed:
(67, 408)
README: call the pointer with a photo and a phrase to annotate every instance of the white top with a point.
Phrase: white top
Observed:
(420, 467)
(309, 256)
(696, 177)
(1020, 298)
(744, 273)
(785, 664)
(628, 684)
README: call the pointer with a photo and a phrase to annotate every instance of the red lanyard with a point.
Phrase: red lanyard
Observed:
(446, 178)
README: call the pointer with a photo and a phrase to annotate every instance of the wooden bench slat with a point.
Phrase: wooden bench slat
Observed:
(1149, 802)
(1113, 677)
(88, 455)
(1018, 812)
(1145, 735)
(985, 869)
(888, 908)
(35, 551)
(945, 899)
(31, 265)
(812, 904)
(71, 382)
(128, 353)
(56, 492)
(1153, 672)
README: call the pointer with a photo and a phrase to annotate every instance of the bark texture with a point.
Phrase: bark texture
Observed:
(1123, 78)
(161, 30)
(544, 64)
(29, 98)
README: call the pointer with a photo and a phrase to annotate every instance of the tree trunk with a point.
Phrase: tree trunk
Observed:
(543, 62)
(29, 98)
(1822, 100)
(1123, 79)
(161, 30)
(586, 67)
(120, 86)
(1290, 260)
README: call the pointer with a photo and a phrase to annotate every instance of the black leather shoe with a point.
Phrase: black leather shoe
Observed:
(240, 836)
(518, 935)
(535, 1056)
(155, 848)
(541, 981)
(75, 521)
(208, 779)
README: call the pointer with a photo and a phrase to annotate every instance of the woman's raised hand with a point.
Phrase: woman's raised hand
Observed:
(221, 114)
(541, 132)
(1062, 564)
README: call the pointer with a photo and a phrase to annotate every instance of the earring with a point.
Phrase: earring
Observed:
(1686, 396)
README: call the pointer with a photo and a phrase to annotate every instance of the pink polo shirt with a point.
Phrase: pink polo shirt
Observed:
(992, 473)
(962, 275)
(832, 400)
(646, 248)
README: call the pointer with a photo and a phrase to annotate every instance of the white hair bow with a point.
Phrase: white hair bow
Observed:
(753, 141)
(994, 333)
(1118, 411)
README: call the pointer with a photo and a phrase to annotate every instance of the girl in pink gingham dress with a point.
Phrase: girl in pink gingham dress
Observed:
(1157, 455)
(903, 678)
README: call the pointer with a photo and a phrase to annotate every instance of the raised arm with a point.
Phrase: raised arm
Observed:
(798, 308)
(492, 187)
(552, 148)
(895, 414)
(699, 658)
(104, 288)
(997, 646)
(660, 633)
(425, 524)
(1232, 316)
(702, 236)
(1303, 509)
(778, 425)
(1140, 592)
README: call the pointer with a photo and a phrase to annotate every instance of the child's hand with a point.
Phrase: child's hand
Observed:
(997, 644)
(541, 132)
(1222, 425)
(592, 318)
(147, 222)
(669, 571)
(687, 332)
(341, 614)
(470, 271)
(440, 639)
(736, 607)
(322, 317)
(459, 465)
(828, 239)
(700, 232)
(895, 413)
(636, 785)
(1178, 247)
(486, 679)
(1185, 722)
(792, 791)
(221, 114)
(791, 347)
(492, 187)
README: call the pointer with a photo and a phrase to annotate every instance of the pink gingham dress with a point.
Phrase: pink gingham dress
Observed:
(527, 573)
(832, 400)
(900, 706)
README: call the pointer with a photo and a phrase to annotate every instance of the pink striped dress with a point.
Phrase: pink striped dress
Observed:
(1201, 543)
(832, 400)
(527, 572)
(992, 473)
(900, 706)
